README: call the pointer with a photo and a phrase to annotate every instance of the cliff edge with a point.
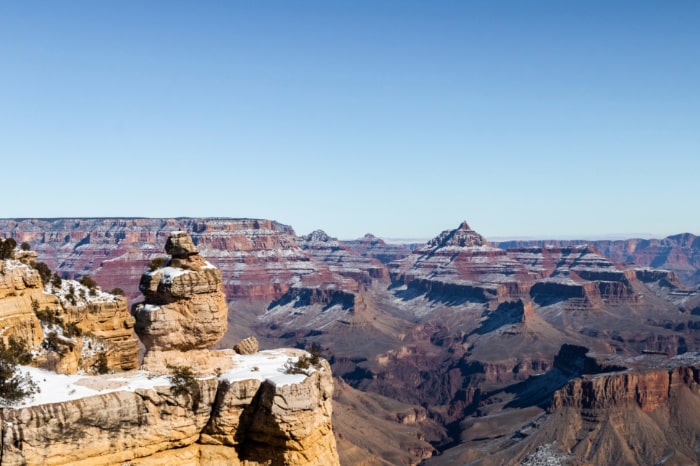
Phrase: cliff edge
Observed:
(195, 407)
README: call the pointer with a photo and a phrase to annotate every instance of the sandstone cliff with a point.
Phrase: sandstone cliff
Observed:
(99, 322)
(251, 415)
(20, 286)
(214, 407)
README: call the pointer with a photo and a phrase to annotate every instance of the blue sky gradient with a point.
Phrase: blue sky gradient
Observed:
(526, 118)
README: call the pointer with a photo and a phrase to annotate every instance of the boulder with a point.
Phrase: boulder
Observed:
(247, 346)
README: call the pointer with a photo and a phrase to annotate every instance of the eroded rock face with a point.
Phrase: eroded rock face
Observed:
(237, 422)
(288, 423)
(184, 307)
(20, 286)
(111, 322)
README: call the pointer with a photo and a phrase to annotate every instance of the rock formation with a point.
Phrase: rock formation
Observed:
(20, 287)
(677, 253)
(102, 319)
(247, 346)
(461, 262)
(184, 307)
(215, 407)
(465, 333)
(250, 416)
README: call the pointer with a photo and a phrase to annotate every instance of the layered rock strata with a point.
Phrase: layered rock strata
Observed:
(376, 248)
(677, 253)
(102, 322)
(252, 415)
(20, 287)
(460, 263)
(340, 259)
(258, 259)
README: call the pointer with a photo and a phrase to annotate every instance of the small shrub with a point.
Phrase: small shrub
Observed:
(101, 366)
(44, 271)
(14, 387)
(88, 282)
(304, 362)
(72, 330)
(316, 354)
(7, 248)
(117, 292)
(53, 343)
(300, 366)
(157, 263)
(47, 316)
(56, 281)
(25, 246)
(17, 351)
(183, 382)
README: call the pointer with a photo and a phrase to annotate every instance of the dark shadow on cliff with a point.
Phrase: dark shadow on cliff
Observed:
(259, 439)
(508, 313)
(448, 294)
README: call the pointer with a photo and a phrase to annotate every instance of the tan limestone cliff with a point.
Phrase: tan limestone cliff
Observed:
(237, 419)
(20, 286)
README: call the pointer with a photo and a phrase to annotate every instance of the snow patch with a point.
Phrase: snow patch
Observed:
(56, 388)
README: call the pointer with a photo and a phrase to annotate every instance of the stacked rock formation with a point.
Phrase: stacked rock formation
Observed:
(184, 309)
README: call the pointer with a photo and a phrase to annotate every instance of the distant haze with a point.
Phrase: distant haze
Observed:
(544, 119)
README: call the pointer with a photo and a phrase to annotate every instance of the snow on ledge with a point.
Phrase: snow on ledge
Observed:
(56, 388)
(168, 274)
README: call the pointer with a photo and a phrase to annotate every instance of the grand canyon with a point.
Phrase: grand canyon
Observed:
(449, 352)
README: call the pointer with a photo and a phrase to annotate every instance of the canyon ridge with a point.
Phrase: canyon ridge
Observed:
(456, 351)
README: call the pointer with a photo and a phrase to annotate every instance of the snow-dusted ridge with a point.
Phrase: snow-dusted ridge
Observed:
(81, 293)
(56, 388)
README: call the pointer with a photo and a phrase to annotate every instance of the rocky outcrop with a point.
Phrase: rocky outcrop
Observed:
(20, 288)
(249, 416)
(184, 306)
(109, 322)
(248, 345)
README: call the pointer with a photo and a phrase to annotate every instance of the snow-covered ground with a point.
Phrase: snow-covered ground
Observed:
(265, 365)
(81, 293)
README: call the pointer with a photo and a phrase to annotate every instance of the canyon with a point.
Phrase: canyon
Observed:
(458, 351)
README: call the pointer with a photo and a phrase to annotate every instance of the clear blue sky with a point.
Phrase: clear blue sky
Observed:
(526, 118)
